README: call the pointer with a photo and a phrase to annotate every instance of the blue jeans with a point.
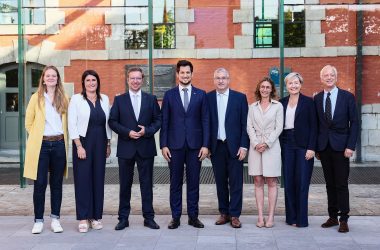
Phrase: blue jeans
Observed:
(52, 159)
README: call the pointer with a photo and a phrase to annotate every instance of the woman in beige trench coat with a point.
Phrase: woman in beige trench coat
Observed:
(264, 125)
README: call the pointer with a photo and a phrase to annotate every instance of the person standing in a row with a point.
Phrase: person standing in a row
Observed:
(91, 135)
(46, 147)
(184, 140)
(337, 135)
(264, 126)
(298, 142)
(135, 117)
(228, 146)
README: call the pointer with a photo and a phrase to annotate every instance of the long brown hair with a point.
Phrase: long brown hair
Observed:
(273, 93)
(60, 101)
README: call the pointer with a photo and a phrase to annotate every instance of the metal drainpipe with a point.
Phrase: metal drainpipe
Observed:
(281, 43)
(359, 76)
(21, 91)
(150, 45)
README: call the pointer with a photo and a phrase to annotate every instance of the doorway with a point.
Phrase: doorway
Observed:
(9, 110)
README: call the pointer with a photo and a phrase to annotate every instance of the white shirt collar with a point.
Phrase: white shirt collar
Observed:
(138, 93)
(188, 88)
(226, 93)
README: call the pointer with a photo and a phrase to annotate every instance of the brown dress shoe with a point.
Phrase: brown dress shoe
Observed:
(343, 227)
(235, 222)
(330, 223)
(223, 219)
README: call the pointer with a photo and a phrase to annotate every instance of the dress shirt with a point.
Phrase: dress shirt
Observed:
(333, 97)
(53, 121)
(182, 94)
(137, 95)
(289, 117)
(221, 101)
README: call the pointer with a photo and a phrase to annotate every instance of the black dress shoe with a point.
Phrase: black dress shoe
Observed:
(195, 222)
(151, 224)
(123, 223)
(174, 223)
(330, 223)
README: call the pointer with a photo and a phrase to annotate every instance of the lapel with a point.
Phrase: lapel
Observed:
(229, 103)
(214, 106)
(299, 105)
(285, 104)
(178, 98)
(144, 103)
(194, 96)
(339, 103)
(129, 105)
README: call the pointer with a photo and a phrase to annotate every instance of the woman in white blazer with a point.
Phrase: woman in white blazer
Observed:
(264, 126)
(91, 135)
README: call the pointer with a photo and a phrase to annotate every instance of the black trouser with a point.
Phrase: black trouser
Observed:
(336, 169)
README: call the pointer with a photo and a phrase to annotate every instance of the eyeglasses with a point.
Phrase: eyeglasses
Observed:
(135, 79)
(221, 78)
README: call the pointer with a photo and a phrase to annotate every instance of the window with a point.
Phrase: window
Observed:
(267, 24)
(136, 24)
(34, 12)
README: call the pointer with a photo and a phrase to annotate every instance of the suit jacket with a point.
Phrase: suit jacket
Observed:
(179, 126)
(305, 122)
(343, 130)
(122, 120)
(235, 121)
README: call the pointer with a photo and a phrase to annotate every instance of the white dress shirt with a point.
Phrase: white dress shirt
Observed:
(137, 95)
(181, 92)
(221, 101)
(53, 120)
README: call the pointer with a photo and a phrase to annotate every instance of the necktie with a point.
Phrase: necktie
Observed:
(221, 118)
(135, 104)
(185, 99)
(328, 112)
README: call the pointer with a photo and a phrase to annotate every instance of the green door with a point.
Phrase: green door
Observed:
(9, 101)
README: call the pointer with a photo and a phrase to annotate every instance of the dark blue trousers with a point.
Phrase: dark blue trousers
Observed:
(188, 157)
(228, 172)
(52, 160)
(126, 172)
(297, 173)
(89, 183)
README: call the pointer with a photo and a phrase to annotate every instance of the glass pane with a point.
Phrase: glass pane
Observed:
(136, 37)
(136, 2)
(39, 16)
(163, 11)
(11, 78)
(8, 12)
(11, 102)
(136, 15)
(266, 10)
(36, 75)
(164, 36)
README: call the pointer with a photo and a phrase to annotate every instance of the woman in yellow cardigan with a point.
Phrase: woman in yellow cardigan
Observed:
(46, 148)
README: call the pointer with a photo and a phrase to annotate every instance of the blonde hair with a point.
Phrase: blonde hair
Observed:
(293, 75)
(60, 101)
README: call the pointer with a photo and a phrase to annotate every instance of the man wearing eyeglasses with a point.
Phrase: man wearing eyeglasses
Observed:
(229, 143)
(135, 116)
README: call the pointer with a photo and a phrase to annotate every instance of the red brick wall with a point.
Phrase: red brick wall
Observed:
(339, 27)
(371, 83)
(213, 26)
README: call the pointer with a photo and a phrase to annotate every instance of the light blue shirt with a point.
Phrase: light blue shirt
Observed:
(333, 97)
(221, 101)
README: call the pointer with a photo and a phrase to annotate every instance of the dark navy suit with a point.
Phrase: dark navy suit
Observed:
(228, 170)
(333, 138)
(130, 151)
(184, 133)
(297, 170)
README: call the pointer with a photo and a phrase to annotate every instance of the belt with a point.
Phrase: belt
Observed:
(52, 138)
(221, 141)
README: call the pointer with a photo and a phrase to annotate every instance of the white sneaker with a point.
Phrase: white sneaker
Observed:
(37, 227)
(96, 224)
(56, 226)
